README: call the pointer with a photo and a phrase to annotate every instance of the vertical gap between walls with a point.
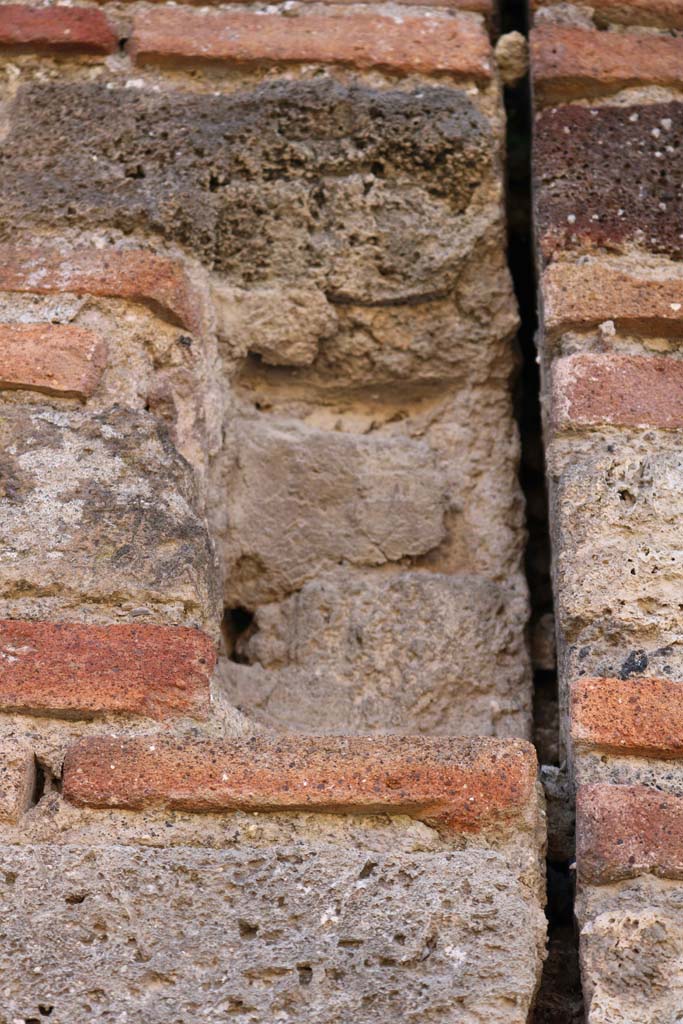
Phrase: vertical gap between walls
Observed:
(559, 1000)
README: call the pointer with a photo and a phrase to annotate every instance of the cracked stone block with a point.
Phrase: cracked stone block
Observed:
(100, 521)
(398, 652)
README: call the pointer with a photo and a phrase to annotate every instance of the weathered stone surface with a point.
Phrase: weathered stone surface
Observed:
(58, 29)
(367, 194)
(638, 296)
(609, 177)
(571, 63)
(618, 563)
(99, 519)
(157, 281)
(383, 653)
(590, 389)
(454, 785)
(51, 358)
(17, 772)
(83, 670)
(302, 500)
(638, 716)
(459, 46)
(624, 831)
(313, 933)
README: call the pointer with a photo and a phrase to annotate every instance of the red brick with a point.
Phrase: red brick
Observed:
(570, 63)
(579, 296)
(624, 831)
(642, 717)
(457, 45)
(484, 7)
(17, 778)
(56, 29)
(591, 390)
(155, 281)
(651, 13)
(72, 670)
(53, 359)
(455, 784)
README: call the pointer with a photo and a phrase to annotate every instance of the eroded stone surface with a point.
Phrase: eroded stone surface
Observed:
(387, 653)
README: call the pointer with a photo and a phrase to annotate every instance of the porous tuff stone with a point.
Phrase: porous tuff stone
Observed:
(99, 519)
(387, 653)
(313, 933)
(368, 194)
(302, 500)
(609, 177)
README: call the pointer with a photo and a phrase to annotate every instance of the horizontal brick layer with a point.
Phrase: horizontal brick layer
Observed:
(580, 296)
(655, 13)
(624, 831)
(638, 716)
(456, 785)
(570, 63)
(484, 7)
(609, 177)
(459, 46)
(72, 670)
(590, 390)
(156, 281)
(56, 29)
(51, 358)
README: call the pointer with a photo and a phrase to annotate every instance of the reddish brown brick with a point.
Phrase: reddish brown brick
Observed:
(457, 45)
(638, 716)
(56, 29)
(579, 296)
(484, 7)
(624, 831)
(72, 670)
(609, 178)
(570, 63)
(53, 359)
(459, 785)
(17, 777)
(591, 390)
(156, 281)
(650, 13)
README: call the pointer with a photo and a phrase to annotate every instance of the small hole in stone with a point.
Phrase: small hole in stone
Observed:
(305, 974)
(247, 930)
(238, 626)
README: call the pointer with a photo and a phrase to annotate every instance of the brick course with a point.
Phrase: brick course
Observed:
(56, 30)
(50, 358)
(642, 717)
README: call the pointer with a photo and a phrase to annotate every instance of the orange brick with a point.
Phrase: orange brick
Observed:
(570, 63)
(624, 831)
(590, 390)
(56, 29)
(53, 359)
(457, 45)
(654, 13)
(454, 784)
(579, 296)
(156, 281)
(75, 670)
(642, 717)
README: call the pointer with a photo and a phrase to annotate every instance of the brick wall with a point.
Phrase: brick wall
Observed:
(264, 681)
(608, 229)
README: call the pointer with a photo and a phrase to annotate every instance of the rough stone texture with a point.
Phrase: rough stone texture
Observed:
(54, 359)
(374, 501)
(637, 716)
(571, 63)
(453, 785)
(365, 653)
(77, 670)
(639, 296)
(368, 194)
(134, 274)
(99, 518)
(17, 775)
(626, 391)
(609, 177)
(316, 934)
(58, 29)
(623, 831)
(457, 45)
